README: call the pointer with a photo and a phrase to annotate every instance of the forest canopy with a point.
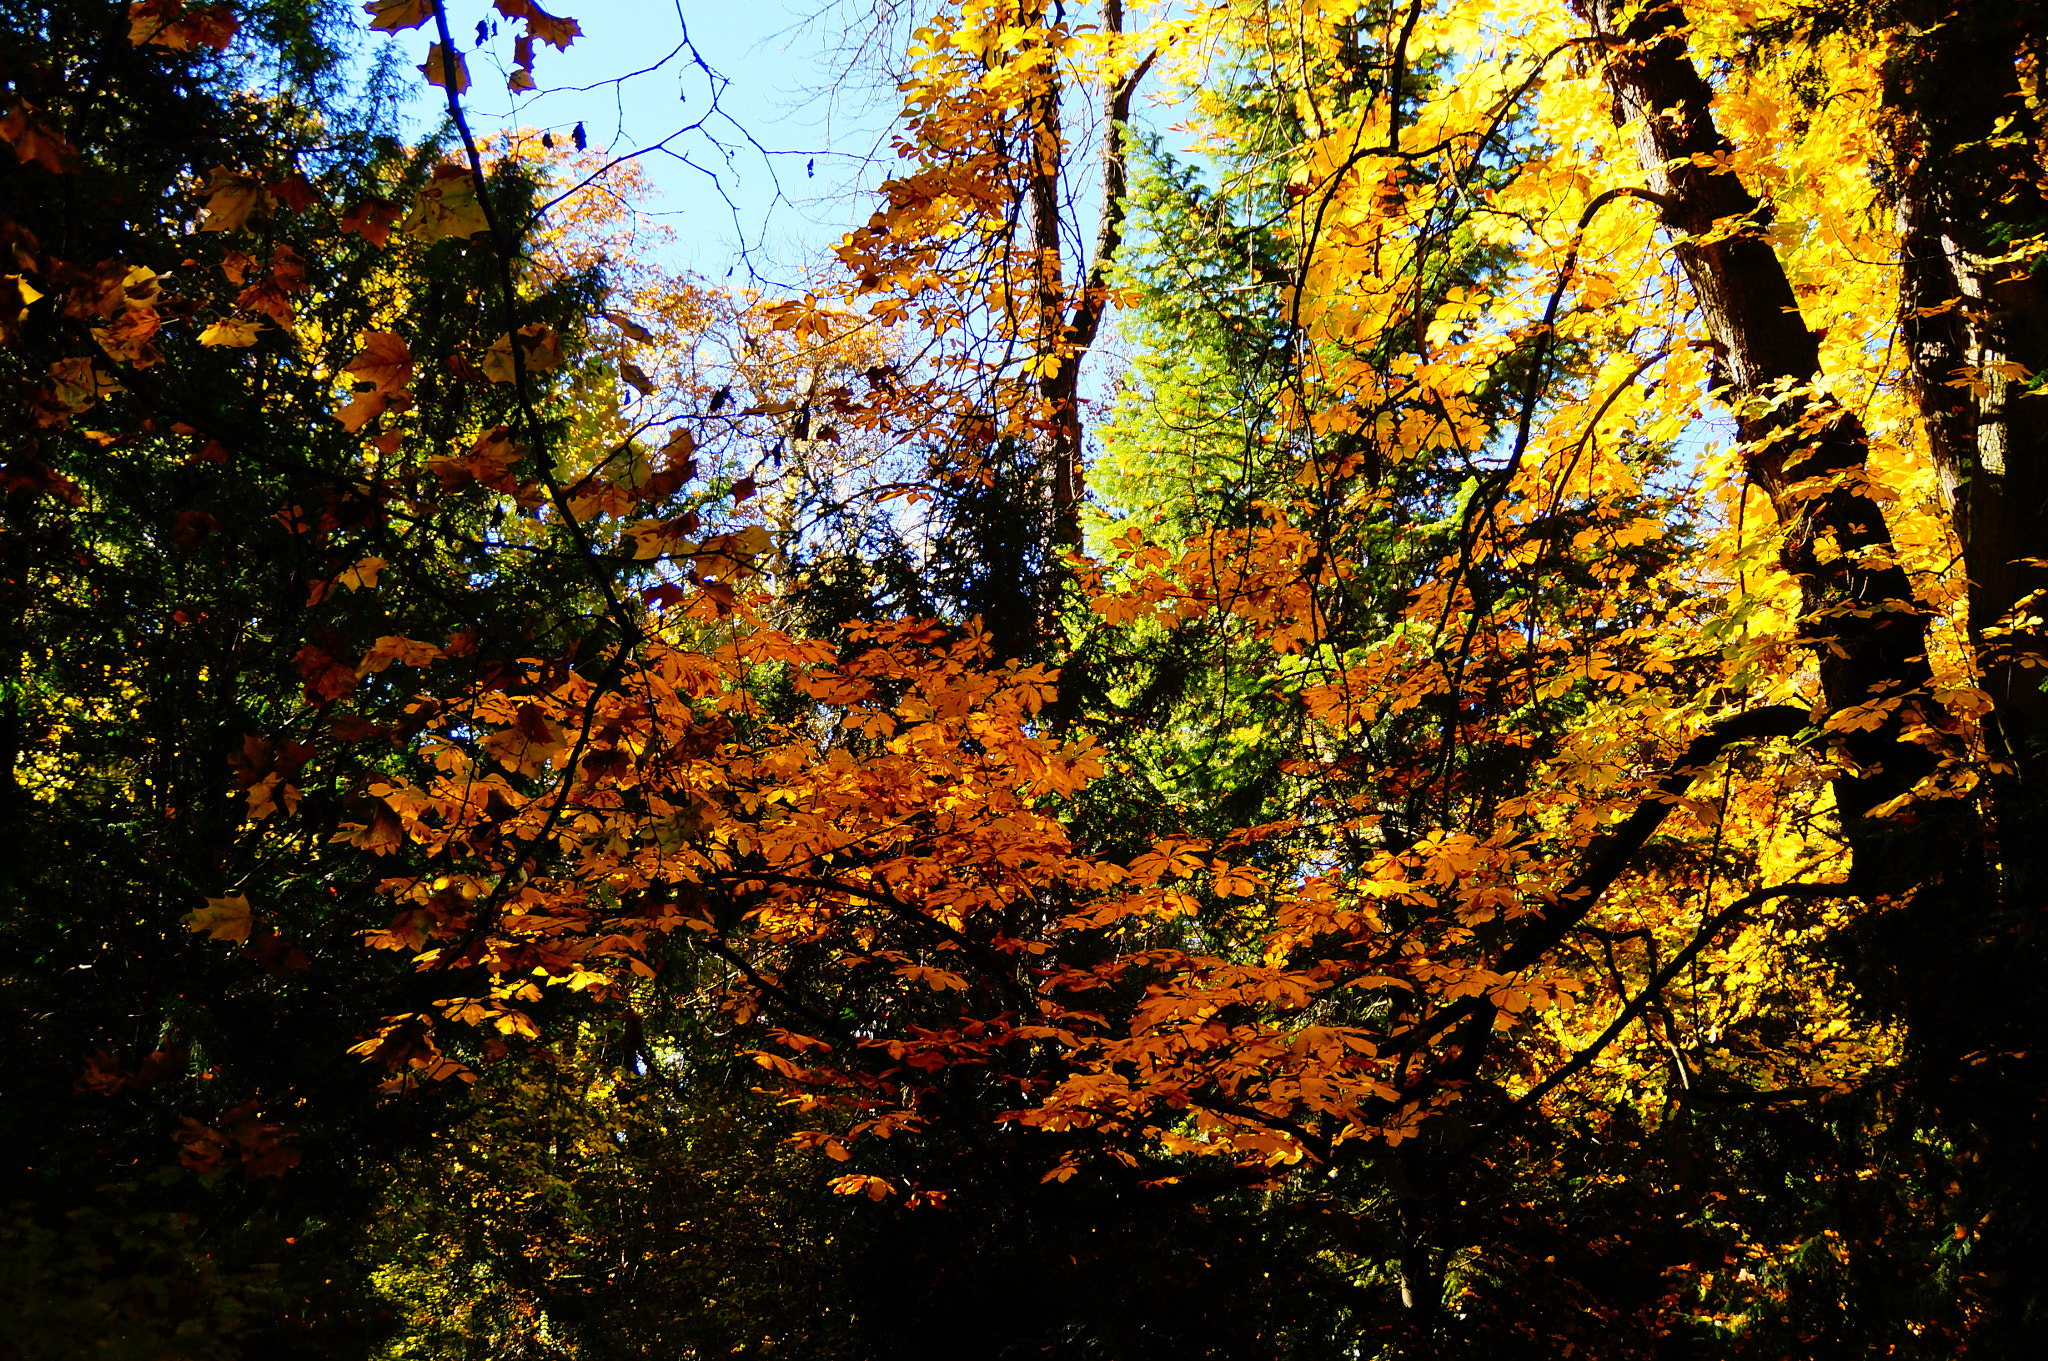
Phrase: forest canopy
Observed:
(1400, 724)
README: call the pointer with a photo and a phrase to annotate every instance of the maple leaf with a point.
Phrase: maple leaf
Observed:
(77, 385)
(233, 196)
(558, 33)
(540, 350)
(363, 575)
(395, 16)
(372, 220)
(267, 296)
(222, 918)
(33, 140)
(130, 337)
(384, 362)
(167, 23)
(326, 677)
(436, 69)
(522, 63)
(294, 192)
(447, 206)
(202, 1148)
(361, 409)
(381, 834)
(233, 331)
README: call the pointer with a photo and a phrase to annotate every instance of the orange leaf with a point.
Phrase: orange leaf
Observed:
(395, 16)
(222, 918)
(32, 140)
(383, 361)
(435, 69)
(371, 220)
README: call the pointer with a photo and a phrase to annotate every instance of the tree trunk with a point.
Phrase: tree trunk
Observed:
(1803, 449)
(1965, 185)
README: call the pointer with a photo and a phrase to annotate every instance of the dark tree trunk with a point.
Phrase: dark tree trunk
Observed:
(1868, 635)
(1965, 181)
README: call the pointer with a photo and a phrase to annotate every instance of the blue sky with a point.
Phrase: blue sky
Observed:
(774, 167)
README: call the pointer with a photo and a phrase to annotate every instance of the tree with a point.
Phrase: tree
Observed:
(1583, 950)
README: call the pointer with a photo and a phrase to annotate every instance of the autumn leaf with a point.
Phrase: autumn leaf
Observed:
(362, 408)
(395, 16)
(381, 834)
(540, 350)
(384, 362)
(77, 385)
(447, 206)
(633, 329)
(435, 68)
(362, 575)
(372, 220)
(222, 918)
(34, 140)
(874, 1188)
(232, 331)
(167, 23)
(233, 196)
(522, 63)
(327, 677)
(295, 193)
(16, 293)
(559, 33)
(268, 297)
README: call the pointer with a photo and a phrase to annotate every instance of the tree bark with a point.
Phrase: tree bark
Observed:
(1807, 452)
(1069, 336)
(1965, 182)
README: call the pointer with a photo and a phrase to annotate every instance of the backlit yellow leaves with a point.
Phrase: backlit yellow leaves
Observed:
(16, 294)
(132, 321)
(233, 331)
(77, 386)
(446, 207)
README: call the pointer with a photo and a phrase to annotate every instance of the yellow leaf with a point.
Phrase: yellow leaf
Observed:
(232, 196)
(235, 331)
(222, 918)
(363, 574)
(77, 385)
(539, 347)
(446, 207)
